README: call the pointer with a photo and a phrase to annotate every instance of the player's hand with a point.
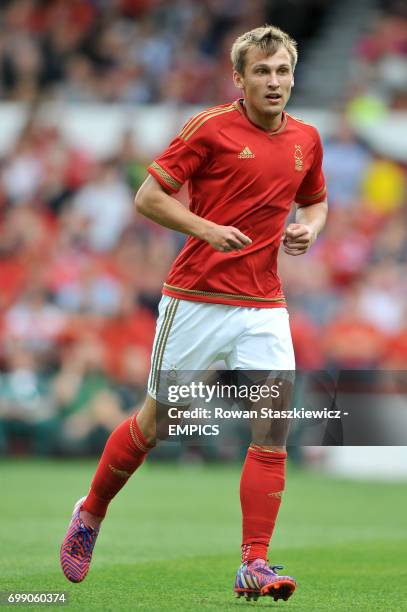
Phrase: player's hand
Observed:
(298, 238)
(226, 238)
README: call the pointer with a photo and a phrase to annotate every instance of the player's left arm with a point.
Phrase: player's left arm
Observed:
(309, 221)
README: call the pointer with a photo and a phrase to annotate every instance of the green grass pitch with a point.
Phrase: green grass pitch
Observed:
(171, 540)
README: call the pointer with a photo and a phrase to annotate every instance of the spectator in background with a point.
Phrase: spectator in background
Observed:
(23, 172)
(132, 159)
(347, 245)
(315, 295)
(42, 168)
(79, 84)
(346, 161)
(28, 418)
(307, 341)
(85, 399)
(384, 186)
(93, 291)
(21, 67)
(133, 326)
(349, 341)
(130, 382)
(106, 191)
(382, 290)
(395, 355)
(383, 52)
(391, 243)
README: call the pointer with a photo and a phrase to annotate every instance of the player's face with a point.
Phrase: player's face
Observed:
(267, 81)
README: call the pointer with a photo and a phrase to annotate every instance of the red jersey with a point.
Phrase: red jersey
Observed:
(241, 175)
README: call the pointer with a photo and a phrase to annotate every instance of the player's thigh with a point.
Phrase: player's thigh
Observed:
(189, 336)
(264, 357)
(266, 343)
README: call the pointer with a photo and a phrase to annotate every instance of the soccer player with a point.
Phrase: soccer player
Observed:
(246, 163)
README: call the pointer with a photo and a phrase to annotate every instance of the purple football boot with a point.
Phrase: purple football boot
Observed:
(77, 547)
(255, 579)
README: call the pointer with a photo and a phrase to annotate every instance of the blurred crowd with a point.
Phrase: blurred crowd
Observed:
(134, 51)
(77, 308)
(379, 72)
(81, 273)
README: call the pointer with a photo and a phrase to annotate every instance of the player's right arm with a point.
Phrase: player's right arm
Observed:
(154, 202)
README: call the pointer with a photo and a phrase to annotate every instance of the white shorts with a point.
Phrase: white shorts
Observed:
(194, 335)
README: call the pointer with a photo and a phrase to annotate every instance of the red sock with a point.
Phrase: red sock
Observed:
(261, 487)
(124, 452)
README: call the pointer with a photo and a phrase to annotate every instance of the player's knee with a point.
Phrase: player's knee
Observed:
(150, 434)
(270, 433)
(148, 431)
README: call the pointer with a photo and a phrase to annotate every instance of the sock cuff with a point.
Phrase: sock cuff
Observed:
(95, 505)
(258, 452)
(253, 551)
(138, 439)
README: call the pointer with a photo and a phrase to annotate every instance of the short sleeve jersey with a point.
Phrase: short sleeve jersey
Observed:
(241, 175)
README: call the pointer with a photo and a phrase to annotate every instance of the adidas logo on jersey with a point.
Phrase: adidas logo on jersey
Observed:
(246, 154)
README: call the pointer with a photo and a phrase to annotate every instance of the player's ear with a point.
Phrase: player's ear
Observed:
(292, 82)
(238, 79)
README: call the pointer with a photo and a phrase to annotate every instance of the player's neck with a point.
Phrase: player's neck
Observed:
(264, 121)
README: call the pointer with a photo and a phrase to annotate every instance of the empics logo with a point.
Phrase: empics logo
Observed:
(246, 154)
(185, 430)
(298, 158)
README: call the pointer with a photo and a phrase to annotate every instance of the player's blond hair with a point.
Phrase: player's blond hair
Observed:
(268, 38)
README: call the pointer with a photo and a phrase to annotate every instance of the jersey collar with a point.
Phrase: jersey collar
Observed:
(239, 105)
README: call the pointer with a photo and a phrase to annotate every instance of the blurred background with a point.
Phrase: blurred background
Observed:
(90, 91)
